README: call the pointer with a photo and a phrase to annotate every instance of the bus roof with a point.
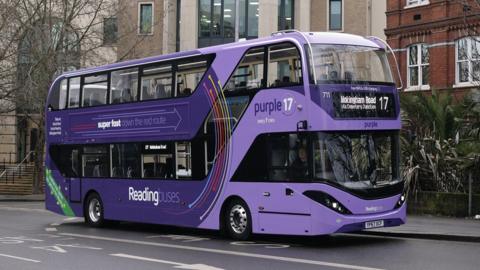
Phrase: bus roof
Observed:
(312, 37)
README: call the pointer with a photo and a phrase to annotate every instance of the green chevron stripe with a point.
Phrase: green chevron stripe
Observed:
(57, 193)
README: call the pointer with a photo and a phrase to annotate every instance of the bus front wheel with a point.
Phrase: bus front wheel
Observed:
(238, 221)
(94, 210)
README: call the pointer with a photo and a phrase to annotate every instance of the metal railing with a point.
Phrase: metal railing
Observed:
(18, 170)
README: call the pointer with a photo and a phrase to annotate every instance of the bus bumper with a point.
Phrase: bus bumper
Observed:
(338, 223)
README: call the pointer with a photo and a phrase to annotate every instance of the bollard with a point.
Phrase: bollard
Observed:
(470, 194)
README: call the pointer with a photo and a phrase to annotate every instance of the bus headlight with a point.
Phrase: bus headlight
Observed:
(402, 199)
(327, 200)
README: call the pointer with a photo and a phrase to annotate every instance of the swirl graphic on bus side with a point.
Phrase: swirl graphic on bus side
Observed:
(220, 109)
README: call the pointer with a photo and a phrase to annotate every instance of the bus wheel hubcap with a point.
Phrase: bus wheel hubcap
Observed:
(94, 210)
(238, 219)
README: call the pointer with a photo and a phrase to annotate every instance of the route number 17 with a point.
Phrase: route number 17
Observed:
(384, 103)
(288, 102)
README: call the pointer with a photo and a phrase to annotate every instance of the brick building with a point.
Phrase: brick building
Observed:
(435, 43)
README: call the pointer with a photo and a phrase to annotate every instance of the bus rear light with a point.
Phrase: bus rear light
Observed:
(328, 201)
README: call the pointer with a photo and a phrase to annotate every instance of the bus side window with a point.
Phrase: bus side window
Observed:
(95, 161)
(183, 160)
(74, 92)
(249, 73)
(157, 161)
(95, 90)
(125, 160)
(254, 164)
(123, 85)
(284, 66)
(188, 76)
(66, 158)
(156, 82)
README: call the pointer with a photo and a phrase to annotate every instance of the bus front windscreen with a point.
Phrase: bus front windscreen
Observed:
(356, 160)
(350, 64)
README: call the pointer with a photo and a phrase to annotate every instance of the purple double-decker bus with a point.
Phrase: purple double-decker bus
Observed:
(296, 133)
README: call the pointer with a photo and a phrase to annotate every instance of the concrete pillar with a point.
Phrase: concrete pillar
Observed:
(302, 15)
(378, 19)
(268, 17)
(188, 25)
(169, 26)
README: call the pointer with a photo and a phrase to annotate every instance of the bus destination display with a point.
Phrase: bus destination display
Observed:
(366, 105)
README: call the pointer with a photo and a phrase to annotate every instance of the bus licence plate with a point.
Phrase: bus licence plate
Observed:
(374, 224)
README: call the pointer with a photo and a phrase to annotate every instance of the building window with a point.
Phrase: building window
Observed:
(217, 21)
(418, 65)
(467, 60)
(414, 3)
(285, 14)
(335, 15)
(110, 31)
(145, 18)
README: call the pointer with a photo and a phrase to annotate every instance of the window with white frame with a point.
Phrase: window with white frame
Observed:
(145, 18)
(467, 60)
(412, 3)
(418, 65)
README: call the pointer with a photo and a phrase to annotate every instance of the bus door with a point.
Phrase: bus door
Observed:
(75, 181)
(283, 204)
(281, 200)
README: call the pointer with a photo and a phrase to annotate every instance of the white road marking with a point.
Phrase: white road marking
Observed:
(183, 238)
(72, 219)
(177, 265)
(19, 258)
(51, 229)
(55, 224)
(60, 247)
(225, 252)
(266, 245)
(18, 240)
(49, 235)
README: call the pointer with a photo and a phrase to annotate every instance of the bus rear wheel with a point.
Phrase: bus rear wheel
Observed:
(93, 211)
(238, 221)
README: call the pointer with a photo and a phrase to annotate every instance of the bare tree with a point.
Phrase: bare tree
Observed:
(40, 39)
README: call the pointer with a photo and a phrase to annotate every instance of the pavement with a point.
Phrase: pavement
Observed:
(421, 227)
(432, 227)
(22, 198)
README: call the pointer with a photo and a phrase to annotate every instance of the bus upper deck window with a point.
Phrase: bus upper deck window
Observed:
(188, 76)
(156, 82)
(95, 89)
(284, 66)
(123, 86)
(62, 98)
(249, 73)
(74, 92)
(58, 97)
